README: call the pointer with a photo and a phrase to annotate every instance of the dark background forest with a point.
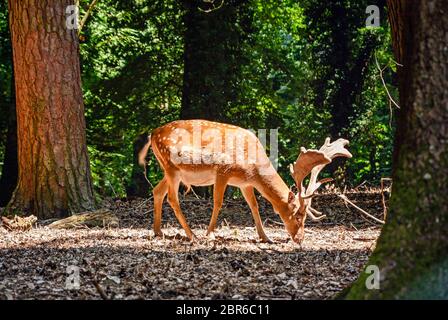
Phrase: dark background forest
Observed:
(309, 68)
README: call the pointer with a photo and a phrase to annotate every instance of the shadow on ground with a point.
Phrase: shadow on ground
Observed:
(129, 263)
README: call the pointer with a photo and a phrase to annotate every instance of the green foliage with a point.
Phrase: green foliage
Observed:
(291, 65)
(132, 73)
(110, 171)
(306, 58)
(373, 123)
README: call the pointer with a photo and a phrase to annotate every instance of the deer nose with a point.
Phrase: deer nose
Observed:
(298, 238)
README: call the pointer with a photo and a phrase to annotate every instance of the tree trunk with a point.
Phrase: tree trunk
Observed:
(212, 53)
(54, 173)
(412, 251)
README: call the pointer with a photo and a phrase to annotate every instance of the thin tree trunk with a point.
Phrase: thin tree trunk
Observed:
(8, 180)
(412, 252)
(212, 58)
(54, 173)
(340, 110)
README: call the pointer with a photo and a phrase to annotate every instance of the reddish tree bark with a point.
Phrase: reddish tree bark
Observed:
(54, 173)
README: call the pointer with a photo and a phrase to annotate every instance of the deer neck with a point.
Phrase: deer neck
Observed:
(275, 190)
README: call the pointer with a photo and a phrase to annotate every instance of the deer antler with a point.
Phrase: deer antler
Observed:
(313, 161)
(307, 160)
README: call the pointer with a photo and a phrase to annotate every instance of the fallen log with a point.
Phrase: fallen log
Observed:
(18, 223)
(103, 218)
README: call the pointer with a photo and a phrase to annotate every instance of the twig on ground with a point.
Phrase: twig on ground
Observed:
(363, 239)
(143, 203)
(194, 193)
(270, 249)
(343, 197)
(274, 222)
(149, 211)
(360, 185)
(100, 290)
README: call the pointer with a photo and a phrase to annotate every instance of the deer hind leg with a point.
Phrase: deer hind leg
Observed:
(159, 194)
(173, 200)
(218, 197)
(249, 195)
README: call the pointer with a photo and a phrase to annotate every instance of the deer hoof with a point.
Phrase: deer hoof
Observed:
(192, 238)
(266, 240)
(211, 236)
(158, 234)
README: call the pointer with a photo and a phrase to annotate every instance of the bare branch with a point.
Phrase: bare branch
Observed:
(100, 290)
(86, 16)
(391, 100)
(346, 200)
(213, 8)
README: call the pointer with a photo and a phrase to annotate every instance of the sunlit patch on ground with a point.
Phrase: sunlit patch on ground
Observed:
(129, 263)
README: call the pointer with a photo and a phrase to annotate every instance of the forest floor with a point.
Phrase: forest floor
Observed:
(129, 263)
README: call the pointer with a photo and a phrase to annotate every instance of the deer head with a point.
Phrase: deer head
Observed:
(312, 162)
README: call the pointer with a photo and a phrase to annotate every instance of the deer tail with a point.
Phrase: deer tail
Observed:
(142, 154)
(142, 158)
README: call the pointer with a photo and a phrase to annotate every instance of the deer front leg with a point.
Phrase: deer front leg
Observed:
(173, 200)
(249, 195)
(159, 194)
(218, 197)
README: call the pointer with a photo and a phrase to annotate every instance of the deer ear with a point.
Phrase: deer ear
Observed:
(291, 196)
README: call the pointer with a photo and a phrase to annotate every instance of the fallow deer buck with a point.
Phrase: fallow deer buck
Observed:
(203, 153)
